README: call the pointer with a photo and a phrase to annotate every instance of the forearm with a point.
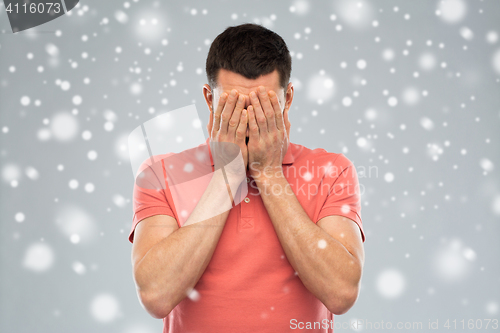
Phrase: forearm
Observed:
(173, 266)
(324, 265)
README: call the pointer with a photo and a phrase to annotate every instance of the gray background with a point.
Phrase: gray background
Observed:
(431, 201)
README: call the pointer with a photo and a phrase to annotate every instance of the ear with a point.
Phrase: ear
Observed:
(209, 97)
(288, 104)
(288, 96)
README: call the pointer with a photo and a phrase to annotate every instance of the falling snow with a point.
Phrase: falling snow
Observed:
(39, 257)
(416, 114)
(104, 308)
(391, 283)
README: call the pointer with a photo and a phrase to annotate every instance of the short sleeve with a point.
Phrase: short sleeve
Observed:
(149, 194)
(344, 193)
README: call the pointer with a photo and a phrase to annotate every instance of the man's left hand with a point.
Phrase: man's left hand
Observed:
(268, 139)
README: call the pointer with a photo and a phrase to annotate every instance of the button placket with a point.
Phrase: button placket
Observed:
(247, 208)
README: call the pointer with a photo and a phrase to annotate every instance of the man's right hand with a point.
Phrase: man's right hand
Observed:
(229, 124)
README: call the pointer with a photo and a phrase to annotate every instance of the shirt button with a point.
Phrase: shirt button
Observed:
(247, 199)
(248, 180)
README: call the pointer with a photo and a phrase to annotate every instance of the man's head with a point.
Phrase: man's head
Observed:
(245, 57)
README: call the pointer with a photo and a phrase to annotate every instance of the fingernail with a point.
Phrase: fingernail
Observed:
(233, 92)
(252, 94)
(262, 89)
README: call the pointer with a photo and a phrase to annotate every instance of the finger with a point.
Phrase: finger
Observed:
(235, 118)
(260, 117)
(228, 111)
(252, 124)
(241, 131)
(217, 114)
(278, 116)
(267, 108)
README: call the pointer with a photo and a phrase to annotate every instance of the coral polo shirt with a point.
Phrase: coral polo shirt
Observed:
(249, 285)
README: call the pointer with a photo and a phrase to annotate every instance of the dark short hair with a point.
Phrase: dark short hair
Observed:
(250, 50)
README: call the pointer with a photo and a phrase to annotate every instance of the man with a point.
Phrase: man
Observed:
(286, 258)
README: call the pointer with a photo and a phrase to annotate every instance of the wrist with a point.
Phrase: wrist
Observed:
(268, 175)
(233, 178)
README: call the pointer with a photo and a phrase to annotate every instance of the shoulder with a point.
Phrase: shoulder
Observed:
(303, 154)
(152, 161)
(194, 156)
